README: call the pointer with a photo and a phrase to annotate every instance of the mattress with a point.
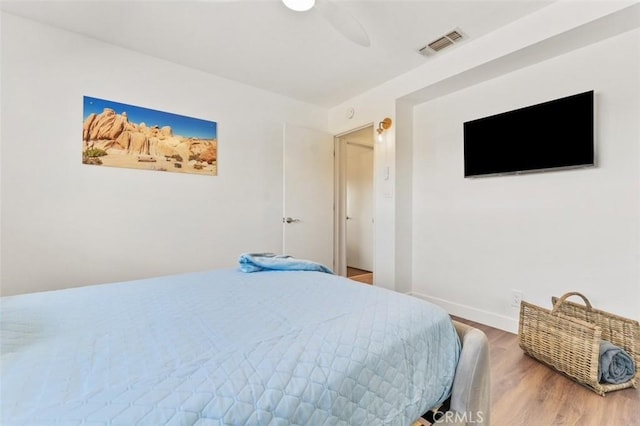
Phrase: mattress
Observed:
(224, 347)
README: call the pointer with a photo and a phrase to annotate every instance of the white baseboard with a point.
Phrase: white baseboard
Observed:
(473, 314)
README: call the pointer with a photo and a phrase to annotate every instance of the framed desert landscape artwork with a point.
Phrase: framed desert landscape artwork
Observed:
(121, 135)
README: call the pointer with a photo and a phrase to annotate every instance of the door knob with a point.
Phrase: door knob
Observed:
(290, 220)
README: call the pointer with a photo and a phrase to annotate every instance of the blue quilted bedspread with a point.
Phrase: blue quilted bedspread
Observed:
(223, 347)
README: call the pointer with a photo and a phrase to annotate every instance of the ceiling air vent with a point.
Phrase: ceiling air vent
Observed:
(442, 42)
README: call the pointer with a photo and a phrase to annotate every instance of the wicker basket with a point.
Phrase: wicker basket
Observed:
(567, 339)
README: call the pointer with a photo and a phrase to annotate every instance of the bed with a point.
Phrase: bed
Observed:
(226, 347)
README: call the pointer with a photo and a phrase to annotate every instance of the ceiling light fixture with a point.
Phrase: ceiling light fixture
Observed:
(382, 126)
(299, 5)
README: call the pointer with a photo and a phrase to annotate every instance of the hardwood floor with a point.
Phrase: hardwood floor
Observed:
(526, 392)
(355, 271)
(364, 278)
(360, 275)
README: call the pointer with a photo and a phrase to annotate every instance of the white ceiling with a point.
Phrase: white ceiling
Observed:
(265, 45)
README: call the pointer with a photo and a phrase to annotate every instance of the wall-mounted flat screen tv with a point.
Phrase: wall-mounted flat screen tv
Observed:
(552, 135)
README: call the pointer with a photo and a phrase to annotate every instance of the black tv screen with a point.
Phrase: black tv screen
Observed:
(551, 135)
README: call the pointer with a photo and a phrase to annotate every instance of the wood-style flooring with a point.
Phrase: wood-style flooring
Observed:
(360, 275)
(526, 392)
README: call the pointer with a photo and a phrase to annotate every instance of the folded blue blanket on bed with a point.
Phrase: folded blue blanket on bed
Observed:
(254, 262)
(616, 365)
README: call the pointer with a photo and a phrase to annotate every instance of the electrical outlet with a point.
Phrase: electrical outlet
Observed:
(516, 298)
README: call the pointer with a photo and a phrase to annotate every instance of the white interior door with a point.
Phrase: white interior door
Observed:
(308, 194)
(359, 200)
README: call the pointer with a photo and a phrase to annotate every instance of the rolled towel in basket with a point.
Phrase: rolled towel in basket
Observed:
(616, 366)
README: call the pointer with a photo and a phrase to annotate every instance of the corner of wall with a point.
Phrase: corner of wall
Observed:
(473, 314)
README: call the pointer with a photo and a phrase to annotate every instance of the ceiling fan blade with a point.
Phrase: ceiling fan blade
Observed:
(343, 22)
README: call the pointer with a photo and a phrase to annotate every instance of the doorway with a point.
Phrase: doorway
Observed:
(355, 200)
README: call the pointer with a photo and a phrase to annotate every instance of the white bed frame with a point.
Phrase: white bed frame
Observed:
(470, 402)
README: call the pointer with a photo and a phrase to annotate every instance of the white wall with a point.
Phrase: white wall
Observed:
(66, 224)
(558, 29)
(474, 240)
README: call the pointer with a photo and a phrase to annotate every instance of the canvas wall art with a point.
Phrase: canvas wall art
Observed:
(121, 135)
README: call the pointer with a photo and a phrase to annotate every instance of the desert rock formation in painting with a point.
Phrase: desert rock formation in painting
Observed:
(111, 139)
